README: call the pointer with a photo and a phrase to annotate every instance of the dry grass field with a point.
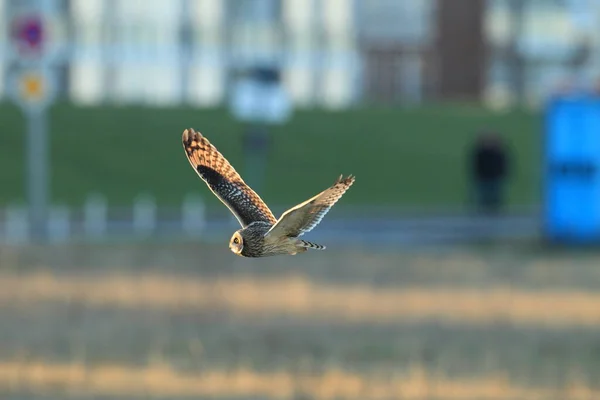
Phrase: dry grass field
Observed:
(179, 321)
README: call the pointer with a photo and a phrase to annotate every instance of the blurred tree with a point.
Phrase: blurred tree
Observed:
(516, 61)
(460, 49)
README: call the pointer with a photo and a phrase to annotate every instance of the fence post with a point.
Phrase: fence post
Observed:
(193, 214)
(17, 224)
(144, 214)
(59, 224)
(95, 216)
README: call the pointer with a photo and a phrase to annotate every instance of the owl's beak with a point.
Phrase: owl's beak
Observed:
(235, 249)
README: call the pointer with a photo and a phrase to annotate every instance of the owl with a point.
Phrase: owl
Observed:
(261, 235)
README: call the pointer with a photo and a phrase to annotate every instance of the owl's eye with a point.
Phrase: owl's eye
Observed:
(236, 240)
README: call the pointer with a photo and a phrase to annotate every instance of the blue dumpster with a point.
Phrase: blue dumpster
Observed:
(571, 175)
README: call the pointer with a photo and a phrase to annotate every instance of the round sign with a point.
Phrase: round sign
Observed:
(33, 89)
(28, 33)
(31, 32)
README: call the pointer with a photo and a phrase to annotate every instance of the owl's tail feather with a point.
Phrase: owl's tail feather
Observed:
(310, 245)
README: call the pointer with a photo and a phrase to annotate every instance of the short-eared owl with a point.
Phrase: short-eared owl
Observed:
(261, 235)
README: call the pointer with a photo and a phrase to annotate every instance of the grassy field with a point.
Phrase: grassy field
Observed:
(183, 321)
(400, 156)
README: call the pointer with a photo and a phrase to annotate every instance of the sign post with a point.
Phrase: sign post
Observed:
(260, 100)
(33, 89)
(37, 160)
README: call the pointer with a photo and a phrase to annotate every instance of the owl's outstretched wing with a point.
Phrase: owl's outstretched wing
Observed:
(305, 216)
(224, 181)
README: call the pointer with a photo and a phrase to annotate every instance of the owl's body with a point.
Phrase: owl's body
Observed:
(258, 244)
(262, 234)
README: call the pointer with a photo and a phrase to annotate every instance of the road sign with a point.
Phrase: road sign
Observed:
(28, 34)
(260, 98)
(33, 88)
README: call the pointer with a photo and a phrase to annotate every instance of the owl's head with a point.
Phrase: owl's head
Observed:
(236, 244)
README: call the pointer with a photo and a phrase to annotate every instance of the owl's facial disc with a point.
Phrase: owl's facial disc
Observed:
(236, 244)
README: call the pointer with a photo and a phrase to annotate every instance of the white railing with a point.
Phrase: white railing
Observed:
(16, 225)
(193, 215)
(95, 221)
(144, 215)
(92, 221)
(95, 216)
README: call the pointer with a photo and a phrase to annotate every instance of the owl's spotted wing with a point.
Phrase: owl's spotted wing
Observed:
(305, 216)
(224, 181)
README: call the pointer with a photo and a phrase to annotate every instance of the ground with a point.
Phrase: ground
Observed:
(184, 320)
(411, 156)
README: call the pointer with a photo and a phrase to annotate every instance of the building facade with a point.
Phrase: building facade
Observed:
(331, 53)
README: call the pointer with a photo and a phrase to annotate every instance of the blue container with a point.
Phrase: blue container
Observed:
(571, 170)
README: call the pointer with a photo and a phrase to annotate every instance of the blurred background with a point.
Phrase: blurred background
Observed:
(462, 264)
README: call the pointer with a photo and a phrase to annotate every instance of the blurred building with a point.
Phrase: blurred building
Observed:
(332, 53)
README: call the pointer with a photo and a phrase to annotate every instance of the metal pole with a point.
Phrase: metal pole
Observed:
(256, 152)
(37, 173)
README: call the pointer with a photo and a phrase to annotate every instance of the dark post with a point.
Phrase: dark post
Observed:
(257, 138)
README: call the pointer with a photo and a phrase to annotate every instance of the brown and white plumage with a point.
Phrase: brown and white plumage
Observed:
(224, 181)
(261, 234)
(305, 216)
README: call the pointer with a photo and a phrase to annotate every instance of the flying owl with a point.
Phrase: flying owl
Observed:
(262, 235)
